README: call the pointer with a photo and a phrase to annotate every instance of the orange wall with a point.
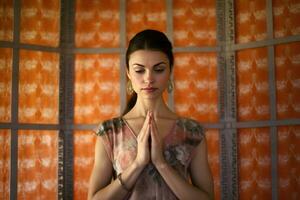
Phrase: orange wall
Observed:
(97, 87)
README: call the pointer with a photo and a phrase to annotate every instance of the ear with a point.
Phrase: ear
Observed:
(127, 73)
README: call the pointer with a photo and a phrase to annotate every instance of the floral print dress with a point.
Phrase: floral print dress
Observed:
(179, 144)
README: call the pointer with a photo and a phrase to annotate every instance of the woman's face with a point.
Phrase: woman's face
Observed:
(149, 72)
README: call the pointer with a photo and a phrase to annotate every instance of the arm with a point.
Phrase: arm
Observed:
(101, 186)
(202, 187)
(200, 170)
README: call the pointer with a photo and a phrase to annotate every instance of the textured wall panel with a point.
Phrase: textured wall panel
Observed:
(4, 164)
(5, 84)
(96, 87)
(40, 22)
(251, 20)
(194, 23)
(286, 16)
(253, 85)
(37, 164)
(288, 80)
(289, 162)
(254, 163)
(6, 20)
(142, 14)
(196, 95)
(212, 137)
(84, 142)
(38, 87)
(97, 23)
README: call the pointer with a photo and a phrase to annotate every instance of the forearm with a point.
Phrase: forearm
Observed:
(115, 190)
(181, 188)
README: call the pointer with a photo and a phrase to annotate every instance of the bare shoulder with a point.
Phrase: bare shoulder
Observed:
(191, 125)
(108, 125)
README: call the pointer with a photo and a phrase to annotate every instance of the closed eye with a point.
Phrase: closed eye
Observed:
(159, 70)
(139, 71)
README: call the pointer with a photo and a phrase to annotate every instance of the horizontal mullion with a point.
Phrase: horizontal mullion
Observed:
(196, 49)
(97, 50)
(30, 126)
(234, 47)
(268, 123)
(265, 43)
(29, 47)
(7, 44)
(221, 125)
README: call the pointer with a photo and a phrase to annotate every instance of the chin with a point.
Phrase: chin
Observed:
(150, 96)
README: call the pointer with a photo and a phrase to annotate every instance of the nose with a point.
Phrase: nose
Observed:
(149, 77)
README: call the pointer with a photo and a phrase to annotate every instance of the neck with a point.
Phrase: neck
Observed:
(157, 106)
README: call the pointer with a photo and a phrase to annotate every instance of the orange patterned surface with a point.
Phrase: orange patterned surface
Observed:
(212, 138)
(6, 20)
(251, 20)
(288, 80)
(4, 164)
(254, 163)
(286, 16)
(194, 23)
(40, 21)
(38, 87)
(96, 87)
(84, 141)
(142, 14)
(253, 85)
(289, 162)
(5, 84)
(37, 164)
(196, 90)
(97, 23)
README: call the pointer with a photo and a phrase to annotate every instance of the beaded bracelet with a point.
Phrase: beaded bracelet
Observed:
(122, 183)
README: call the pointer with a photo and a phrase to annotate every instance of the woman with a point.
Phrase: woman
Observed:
(150, 152)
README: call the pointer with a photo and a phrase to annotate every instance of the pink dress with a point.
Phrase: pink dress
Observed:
(179, 144)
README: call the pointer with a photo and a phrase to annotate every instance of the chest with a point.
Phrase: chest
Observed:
(164, 126)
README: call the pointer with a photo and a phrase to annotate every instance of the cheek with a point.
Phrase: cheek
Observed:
(136, 79)
(163, 80)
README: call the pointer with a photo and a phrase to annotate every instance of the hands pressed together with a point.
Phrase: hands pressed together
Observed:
(150, 145)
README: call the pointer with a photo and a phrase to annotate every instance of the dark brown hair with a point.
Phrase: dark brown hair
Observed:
(148, 40)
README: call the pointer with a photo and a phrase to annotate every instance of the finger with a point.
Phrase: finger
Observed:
(153, 130)
(146, 133)
(145, 127)
(147, 137)
(154, 124)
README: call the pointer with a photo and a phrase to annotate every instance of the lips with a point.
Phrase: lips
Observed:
(149, 89)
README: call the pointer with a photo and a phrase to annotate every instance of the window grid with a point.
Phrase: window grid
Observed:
(69, 126)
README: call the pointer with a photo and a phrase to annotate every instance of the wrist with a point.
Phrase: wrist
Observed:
(138, 166)
(123, 185)
(161, 165)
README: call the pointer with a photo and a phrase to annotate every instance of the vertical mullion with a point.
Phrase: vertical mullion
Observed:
(272, 99)
(220, 13)
(123, 94)
(227, 103)
(15, 103)
(169, 16)
(66, 100)
(231, 113)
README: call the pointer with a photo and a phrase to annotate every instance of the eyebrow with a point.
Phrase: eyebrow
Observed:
(157, 64)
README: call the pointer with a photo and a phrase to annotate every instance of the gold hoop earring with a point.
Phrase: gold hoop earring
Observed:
(170, 86)
(129, 88)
